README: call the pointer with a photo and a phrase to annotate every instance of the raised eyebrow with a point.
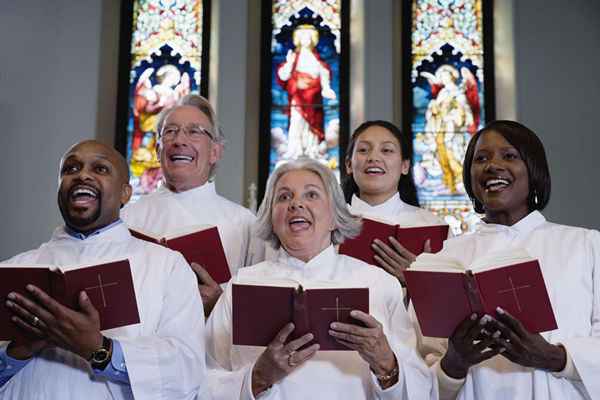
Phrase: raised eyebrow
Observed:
(313, 186)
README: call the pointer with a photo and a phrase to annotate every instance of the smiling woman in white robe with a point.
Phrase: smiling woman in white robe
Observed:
(506, 174)
(379, 184)
(304, 213)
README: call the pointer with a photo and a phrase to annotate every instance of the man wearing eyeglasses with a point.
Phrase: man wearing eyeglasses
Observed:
(190, 146)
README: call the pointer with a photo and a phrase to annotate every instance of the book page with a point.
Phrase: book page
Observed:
(286, 282)
(437, 263)
(500, 259)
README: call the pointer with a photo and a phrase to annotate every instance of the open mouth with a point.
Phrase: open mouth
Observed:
(374, 171)
(181, 159)
(83, 195)
(496, 184)
(299, 223)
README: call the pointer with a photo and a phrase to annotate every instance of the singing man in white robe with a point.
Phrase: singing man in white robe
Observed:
(160, 358)
(189, 147)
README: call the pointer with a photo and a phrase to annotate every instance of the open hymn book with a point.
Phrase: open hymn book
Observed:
(199, 244)
(444, 292)
(413, 238)
(109, 286)
(261, 309)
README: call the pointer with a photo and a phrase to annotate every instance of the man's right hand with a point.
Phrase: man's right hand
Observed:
(210, 291)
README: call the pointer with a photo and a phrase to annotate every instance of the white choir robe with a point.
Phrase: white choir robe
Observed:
(570, 261)
(164, 354)
(165, 211)
(330, 374)
(395, 211)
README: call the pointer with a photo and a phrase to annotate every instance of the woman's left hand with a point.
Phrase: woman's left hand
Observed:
(370, 342)
(396, 259)
(526, 348)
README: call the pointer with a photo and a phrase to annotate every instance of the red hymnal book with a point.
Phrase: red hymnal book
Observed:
(412, 238)
(260, 312)
(444, 292)
(109, 286)
(201, 245)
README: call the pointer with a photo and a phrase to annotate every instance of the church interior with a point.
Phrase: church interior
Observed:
(61, 82)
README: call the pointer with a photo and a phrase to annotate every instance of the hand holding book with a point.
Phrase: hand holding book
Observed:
(45, 318)
(280, 359)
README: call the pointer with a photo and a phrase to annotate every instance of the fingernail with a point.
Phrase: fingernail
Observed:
(9, 303)
(331, 333)
(496, 335)
(374, 245)
(484, 320)
(473, 317)
(84, 295)
(310, 336)
(30, 288)
(12, 296)
(333, 325)
(499, 310)
(354, 313)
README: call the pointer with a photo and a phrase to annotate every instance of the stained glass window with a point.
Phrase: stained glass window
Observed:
(304, 103)
(166, 60)
(449, 95)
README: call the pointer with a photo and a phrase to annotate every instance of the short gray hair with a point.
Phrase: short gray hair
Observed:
(347, 225)
(204, 106)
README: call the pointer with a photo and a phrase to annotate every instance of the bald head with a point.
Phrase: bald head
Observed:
(102, 150)
(93, 185)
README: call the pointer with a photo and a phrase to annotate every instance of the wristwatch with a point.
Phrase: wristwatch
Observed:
(101, 357)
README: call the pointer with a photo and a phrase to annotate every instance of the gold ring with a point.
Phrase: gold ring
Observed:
(35, 321)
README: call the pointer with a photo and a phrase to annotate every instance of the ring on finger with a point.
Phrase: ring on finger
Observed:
(35, 321)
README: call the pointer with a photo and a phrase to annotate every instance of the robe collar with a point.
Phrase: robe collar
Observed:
(82, 236)
(391, 206)
(527, 224)
(116, 232)
(204, 191)
(320, 261)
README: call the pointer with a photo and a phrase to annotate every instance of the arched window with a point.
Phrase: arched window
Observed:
(304, 82)
(164, 45)
(448, 81)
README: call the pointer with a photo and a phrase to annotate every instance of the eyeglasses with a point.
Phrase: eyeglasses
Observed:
(193, 132)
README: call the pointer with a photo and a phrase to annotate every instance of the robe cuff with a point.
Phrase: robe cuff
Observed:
(10, 366)
(247, 388)
(569, 372)
(448, 386)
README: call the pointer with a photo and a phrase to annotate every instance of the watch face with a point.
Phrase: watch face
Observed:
(100, 356)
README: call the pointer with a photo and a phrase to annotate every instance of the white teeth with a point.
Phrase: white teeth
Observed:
(84, 191)
(181, 158)
(297, 220)
(375, 170)
(498, 181)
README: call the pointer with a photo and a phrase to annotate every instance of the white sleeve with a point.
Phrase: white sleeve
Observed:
(171, 363)
(585, 351)
(415, 380)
